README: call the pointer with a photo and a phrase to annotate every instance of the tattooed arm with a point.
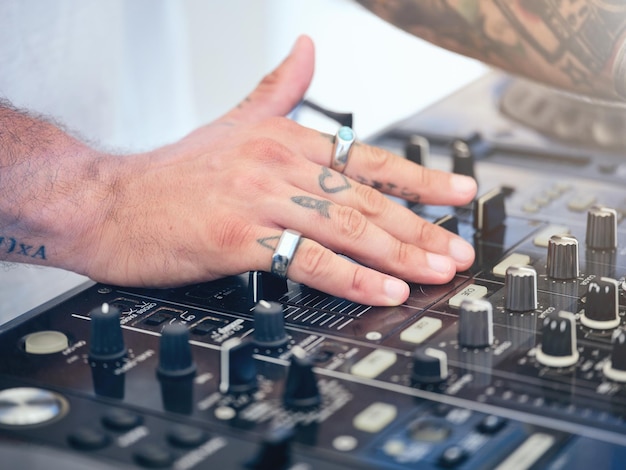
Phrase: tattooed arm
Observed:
(578, 45)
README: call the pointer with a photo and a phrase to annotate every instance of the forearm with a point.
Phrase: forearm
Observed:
(49, 184)
(578, 46)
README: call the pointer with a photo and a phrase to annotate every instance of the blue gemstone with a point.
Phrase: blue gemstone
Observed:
(345, 133)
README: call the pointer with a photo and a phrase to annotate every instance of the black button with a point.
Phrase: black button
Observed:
(121, 420)
(452, 456)
(186, 436)
(88, 439)
(203, 328)
(153, 456)
(491, 424)
(157, 319)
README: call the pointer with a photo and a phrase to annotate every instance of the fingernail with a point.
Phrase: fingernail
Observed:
(463, 184)
(439, 263)
(461, 251)
(396, 290)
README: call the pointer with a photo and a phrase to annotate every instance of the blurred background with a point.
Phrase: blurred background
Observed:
(222, 50)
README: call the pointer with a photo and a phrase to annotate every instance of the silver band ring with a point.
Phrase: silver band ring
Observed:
(286, 248)
(341, 150)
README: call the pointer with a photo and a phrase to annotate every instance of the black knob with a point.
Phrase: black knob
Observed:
(562, 262)
(558, 344)
(301, 391)
(265, 286)
(107, 342)
(238, 369)
(417, 149)
(275, 451)
(602, 305)
(520, 285)
(430, 366)
(476, 323)
(269, 325)
(615, 368)
(601, 228)
(175, 359)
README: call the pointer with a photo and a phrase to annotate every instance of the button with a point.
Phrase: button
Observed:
(491, 424)
(375, 417)
(157, 319)
(511, 260)
(421, 330)
(153, 456)
(121, 420)
(88, 439)
(453, 456)
(542, 239)
(374, 364)
(581, 202)
(186, 436)
(527, 454)
(472, 291)
(45, 342)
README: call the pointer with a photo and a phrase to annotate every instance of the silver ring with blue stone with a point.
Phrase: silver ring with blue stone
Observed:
(286, 248)
(341, 150)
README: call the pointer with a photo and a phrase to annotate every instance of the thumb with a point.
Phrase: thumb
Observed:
(282, 89)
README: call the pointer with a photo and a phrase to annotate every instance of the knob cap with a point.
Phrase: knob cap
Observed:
(269, 325)
(175, 359)
(558, 345)
(520, 285)
(106, 339)
(602, 306)
(417, 150)
(275, 451)
(430, 366)
(476, 323)
(615, 368)
(562, 262)
(301, 391)
(601, 228)
(238, 370)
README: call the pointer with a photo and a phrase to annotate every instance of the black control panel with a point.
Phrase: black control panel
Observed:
(518, 363)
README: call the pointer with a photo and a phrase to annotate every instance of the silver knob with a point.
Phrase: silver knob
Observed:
(520, 285)
(562, 263)
(601, 228)
(476, 323)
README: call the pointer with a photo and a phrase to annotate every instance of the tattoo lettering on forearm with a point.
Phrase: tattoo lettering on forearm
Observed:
(269, 242)
(9, 245)
(316, 204)
(333, 182)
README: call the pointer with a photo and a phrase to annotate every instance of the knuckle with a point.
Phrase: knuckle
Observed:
(268, 150)
(232, 234)
(402, 254)
(314, 261)
(351, 223)
(379, 160)
(359, 280)
(372, 202)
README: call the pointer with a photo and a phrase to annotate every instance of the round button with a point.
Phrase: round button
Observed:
(88, 439)
(153, 456)
(45, 342)
(25, 406)
(121, 420)
(186, 436)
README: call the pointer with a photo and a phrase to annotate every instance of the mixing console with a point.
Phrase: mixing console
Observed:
(519, 363)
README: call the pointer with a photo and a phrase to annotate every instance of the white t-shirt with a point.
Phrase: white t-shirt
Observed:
(115, 71)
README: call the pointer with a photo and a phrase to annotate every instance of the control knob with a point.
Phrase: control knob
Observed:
(562, 262)
(265, 286)
(238, 369)
(175, 358)
(476, 323)
(430, 366)
(602, 306)
(269, 325)
(601, 228)
(301, 391)
(520, 285)
(558, 345)
(615, 368)
(106, 340)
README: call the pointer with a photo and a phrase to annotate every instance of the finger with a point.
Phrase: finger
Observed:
(395, 219)
(281, 90)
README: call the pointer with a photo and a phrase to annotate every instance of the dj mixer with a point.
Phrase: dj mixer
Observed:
(518, 363)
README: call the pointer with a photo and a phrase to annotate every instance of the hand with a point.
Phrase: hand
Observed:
(215, 204)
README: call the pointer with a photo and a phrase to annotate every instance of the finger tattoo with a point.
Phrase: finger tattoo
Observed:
(269, 242)
(333, 182)
(311, 203)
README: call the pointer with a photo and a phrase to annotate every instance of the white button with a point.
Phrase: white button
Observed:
(511, 260)
(374, 363)
(375, 417)
(527, 454)
(422, 329)
(472, 291)
(45, 342)
(581, 202)
(542, 239)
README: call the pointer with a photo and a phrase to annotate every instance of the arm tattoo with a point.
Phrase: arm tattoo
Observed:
(317, 204)
(333, 182)
(9, 245)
